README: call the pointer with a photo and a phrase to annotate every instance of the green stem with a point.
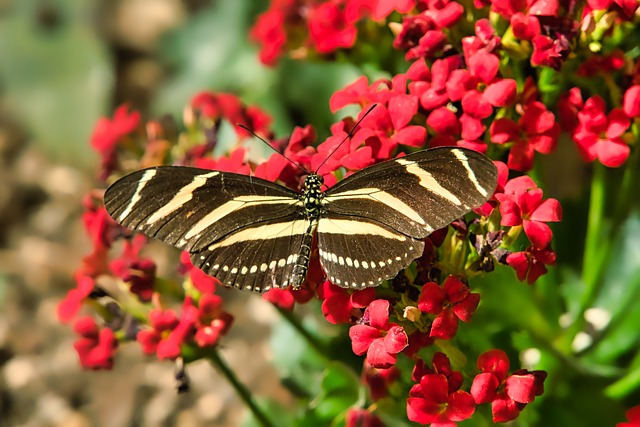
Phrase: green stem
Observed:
(242, 391)
(313, 341)
(591, 269)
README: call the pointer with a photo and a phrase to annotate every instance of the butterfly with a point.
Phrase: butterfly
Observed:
(255, 235)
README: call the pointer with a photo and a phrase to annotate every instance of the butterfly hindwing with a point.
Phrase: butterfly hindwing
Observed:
(411, 196)
(260, 256)
(358, 252)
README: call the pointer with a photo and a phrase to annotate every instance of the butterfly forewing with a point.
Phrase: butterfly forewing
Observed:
(224, 219)
(412, 196)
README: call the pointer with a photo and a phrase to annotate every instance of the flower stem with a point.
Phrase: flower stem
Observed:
(242, 391)
(594, 250)
(295, 323)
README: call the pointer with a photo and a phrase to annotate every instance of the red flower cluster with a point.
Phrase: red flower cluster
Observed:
(508, 394)
(203, 323)
(521, 204)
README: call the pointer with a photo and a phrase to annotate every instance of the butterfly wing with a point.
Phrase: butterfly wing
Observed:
(220, 217)
(385, 209)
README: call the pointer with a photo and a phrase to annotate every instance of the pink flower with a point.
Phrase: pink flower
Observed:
(381, 340)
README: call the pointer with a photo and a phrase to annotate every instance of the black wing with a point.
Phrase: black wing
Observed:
(384, 211)
(223, 219)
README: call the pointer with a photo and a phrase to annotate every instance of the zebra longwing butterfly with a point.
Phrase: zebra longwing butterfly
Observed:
(253, 234)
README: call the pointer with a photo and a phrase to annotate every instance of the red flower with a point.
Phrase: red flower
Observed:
(522, 204)
(379, 380)
(550, 52)
(97, 223)
(531, 264)
(139, 273)
(361, 93)
(525, 27)
(341, 306)
(96, 347)
(386, 7)
(169, 332)
(108, 133)
(357, 417)
(599, 135)
(71, 304)
(431, 402)
(201, 281)
(631, 102)
(568, 106)
(633, 418)
(269, 31)
(419, 36)
(212, 322)
(227, 106)
(508, 394)
(440, 364)
(450, 302)
(536, 130)
(329, 29)
(381, 340)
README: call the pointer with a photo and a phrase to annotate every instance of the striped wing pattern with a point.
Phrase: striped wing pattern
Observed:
(254, 235)
(407, 198)
(228, 222)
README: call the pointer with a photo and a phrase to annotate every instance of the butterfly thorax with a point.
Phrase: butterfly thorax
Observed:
(312, 196)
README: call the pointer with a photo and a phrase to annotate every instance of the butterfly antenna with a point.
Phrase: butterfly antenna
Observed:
(349, 135)
(270, 146)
